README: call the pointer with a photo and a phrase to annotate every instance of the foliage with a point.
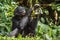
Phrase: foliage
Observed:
(6, 13)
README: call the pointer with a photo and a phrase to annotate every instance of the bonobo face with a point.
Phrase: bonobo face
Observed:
(20, 11)
(37, 9)
(36, 6)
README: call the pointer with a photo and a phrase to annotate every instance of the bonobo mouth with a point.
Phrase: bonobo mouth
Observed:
(23, 14)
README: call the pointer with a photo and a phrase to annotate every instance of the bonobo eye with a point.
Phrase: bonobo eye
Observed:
(22, 11)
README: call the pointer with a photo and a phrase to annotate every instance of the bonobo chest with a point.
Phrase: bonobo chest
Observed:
(16, 20)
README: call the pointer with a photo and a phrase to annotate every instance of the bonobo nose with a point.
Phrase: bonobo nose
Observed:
(24, 12)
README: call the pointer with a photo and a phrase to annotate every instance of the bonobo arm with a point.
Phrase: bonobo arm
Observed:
(13, 33)
(24, 22)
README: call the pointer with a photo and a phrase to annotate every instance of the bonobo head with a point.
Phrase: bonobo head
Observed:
(20, 11)
(36, 6)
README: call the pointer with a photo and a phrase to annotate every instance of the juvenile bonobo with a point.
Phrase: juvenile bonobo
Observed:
(19, 21)
(34, 17)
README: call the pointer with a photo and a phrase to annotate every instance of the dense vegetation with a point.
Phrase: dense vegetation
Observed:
(48, 31)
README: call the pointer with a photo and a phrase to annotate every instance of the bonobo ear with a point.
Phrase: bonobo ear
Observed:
(36, 6)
